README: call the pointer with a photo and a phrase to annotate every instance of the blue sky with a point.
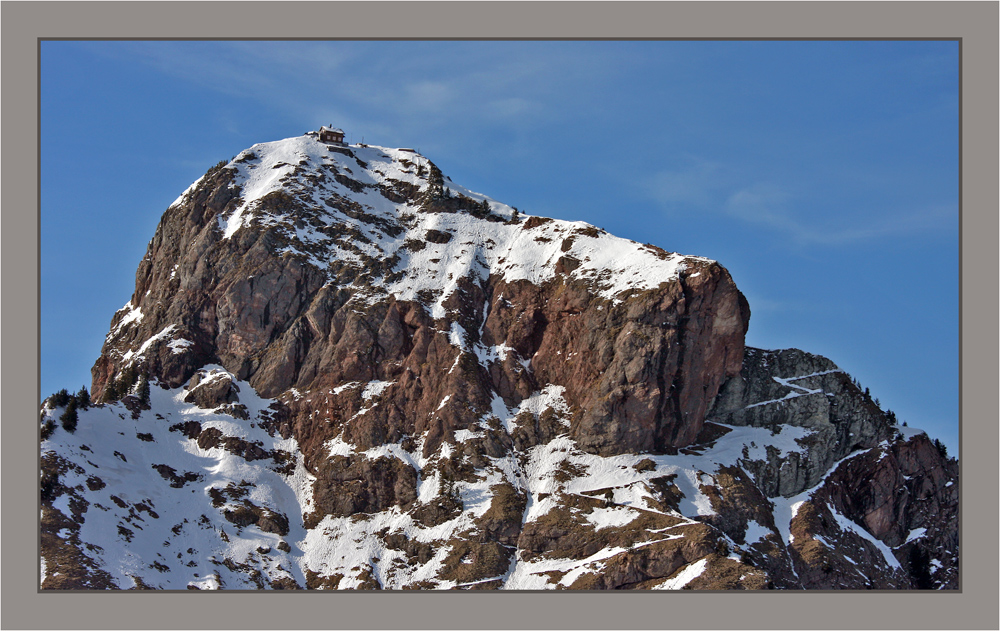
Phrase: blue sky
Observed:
(823, 175)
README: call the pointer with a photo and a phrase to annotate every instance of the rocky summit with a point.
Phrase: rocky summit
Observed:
(341, 370)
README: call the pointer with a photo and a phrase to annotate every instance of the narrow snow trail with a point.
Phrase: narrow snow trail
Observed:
(797, 391)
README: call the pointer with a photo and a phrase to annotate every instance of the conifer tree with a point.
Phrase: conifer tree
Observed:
(110, 391)
(128, 379)
(60, 398)
(941, 447)
(143, 390)
(116, 389)
(69, 417)
(83, 398)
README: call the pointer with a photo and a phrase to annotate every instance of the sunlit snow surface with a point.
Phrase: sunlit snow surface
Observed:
(686, 575)
(105, 444)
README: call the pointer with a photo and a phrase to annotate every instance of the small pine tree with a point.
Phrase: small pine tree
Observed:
(83, 398)
(69, 417)
(143, 390)
(128, 379)
(60, 398)
(446, 486)
(111, 391)
(941, 447)
(116, 388)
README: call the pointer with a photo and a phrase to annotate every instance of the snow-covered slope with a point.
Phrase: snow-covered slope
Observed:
(300, 167)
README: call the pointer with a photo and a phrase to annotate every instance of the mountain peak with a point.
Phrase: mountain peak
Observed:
(343, 370)
(360, 203)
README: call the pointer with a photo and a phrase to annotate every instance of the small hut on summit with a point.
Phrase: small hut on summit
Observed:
(331, 135)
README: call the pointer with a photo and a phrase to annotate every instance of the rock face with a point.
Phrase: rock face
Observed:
(294, 283)
(861, 476)
(802, 390)
(385, 380)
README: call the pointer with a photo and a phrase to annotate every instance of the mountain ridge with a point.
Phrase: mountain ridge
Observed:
(381, 379)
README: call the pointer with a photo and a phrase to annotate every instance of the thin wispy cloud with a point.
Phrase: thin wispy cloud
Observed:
(393, 87)
(764, 203)
(792, 213)
(477, 94)
(774, 207)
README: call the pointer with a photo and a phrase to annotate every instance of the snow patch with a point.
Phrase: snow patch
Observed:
(337, 447)
(346, 386)
(186, 192)
(429, 487)
(916, 533)
(756, 532)
(179, 345)
(909, 432)
(134, 314)
(611, 517)
(163, 334)
(688, 574)
(374, 389)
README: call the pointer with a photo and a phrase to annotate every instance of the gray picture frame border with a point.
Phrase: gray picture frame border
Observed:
(973, 23)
